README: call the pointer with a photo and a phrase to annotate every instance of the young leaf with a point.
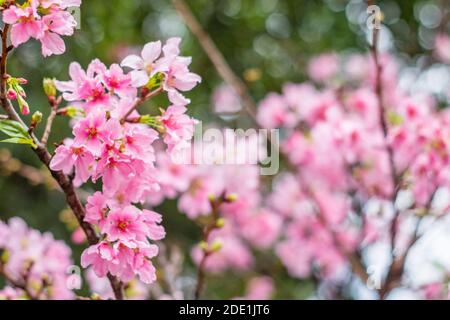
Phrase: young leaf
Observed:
(17, 133)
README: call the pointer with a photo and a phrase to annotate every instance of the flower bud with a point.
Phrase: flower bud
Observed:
(22, 81)
(216, 246)
(4, 257)
(24, 107)
(11, 94)
(49, 87)
(232, 197)
(96, 296)
(220, 223)
(36, 118)
(203, 245)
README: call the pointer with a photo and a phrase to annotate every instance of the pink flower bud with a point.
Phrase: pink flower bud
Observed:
(11, 94)
(22, 80)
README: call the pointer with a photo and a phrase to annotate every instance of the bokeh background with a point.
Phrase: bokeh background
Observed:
(266, 42)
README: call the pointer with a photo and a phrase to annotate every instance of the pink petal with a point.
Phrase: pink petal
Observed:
(151, 51)
(133, 62)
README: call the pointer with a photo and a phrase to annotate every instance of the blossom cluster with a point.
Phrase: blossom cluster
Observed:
(43, 20)
(35, 260)
(247, 224)
(341, 194)
(113, 143)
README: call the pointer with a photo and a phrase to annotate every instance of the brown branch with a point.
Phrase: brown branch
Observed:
(22, 285)
(44, 156)
(140, 101)
(54, 104)
(207, 230)
(397, 265)
(354, 260)
(216, 56)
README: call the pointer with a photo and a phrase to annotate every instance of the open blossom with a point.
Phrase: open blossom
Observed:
(323, 67)
(124, 224)
(71, 156)
(259, 288)
(178, 128)
(225, 100)
(38, 257)
(43, 20)
(145, 66)
(156, 58)
(85, 85)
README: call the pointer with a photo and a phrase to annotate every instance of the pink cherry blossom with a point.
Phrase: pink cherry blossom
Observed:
(46, 25)
(71, 155)
(178, 128)
(124, 224)
(145, 66)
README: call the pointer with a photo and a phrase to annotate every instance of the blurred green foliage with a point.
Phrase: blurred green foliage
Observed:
(272, 38)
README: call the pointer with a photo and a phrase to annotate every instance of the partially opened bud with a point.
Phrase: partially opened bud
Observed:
(49, 87)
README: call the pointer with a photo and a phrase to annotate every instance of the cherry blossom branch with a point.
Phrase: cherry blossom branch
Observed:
(63, 181)
(207, 249)
(216, 56)
(22, 285)
(54, 104)
(141, 101)
(355, 262)
(241, 89)
(397, 265)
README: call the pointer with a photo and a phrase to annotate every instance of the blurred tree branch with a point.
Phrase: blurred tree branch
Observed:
(216, 56)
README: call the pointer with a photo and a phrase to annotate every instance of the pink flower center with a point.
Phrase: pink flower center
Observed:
(77, 151)
(122, 225)
(92, 132)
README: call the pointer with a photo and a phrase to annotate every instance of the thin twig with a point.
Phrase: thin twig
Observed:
(207, 230)
(354, 260)
(54, 103)
(63, 180)
(216, 56)
(140, 101)
(22, 285)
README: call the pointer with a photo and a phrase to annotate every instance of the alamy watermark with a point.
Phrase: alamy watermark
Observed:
(375, 16)
(76, 13)
(214, 146)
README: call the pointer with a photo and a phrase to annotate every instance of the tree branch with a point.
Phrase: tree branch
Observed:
(54, 104)
(216, 56)
(140, 101)
(63, 181)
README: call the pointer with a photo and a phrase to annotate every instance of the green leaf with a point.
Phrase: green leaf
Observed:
(20, 141)
(17, 133)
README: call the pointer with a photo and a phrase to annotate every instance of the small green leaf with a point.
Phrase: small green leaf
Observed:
(20, 141)
(17, 133)
(13, 128)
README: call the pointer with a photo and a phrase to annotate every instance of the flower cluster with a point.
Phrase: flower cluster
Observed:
(246, 223)
(43, 20)
(36, 261)
(341, 195)
(114, 143)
